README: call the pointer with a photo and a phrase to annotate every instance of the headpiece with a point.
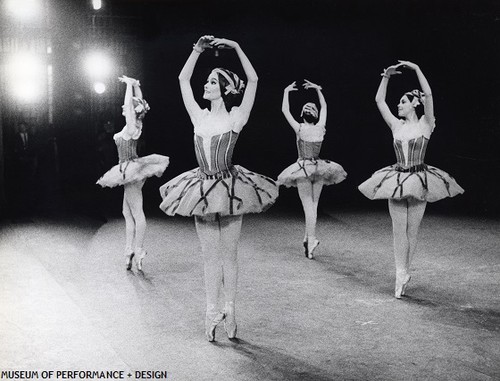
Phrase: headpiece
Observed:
(418, 95)
(141, 106)
(235, 84)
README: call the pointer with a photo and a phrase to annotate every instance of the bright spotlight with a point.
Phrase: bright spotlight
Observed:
(97, 4)
(26, 74)
(98, 65)
(99, 87)
(25, 65)
(26, 91)
(24, 9)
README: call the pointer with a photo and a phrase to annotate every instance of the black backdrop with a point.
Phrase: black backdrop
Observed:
(343, 46)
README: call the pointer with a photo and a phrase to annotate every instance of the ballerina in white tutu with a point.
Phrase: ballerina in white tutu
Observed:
(309, 173)
(218, 193)
(132, 171)
(409, 184)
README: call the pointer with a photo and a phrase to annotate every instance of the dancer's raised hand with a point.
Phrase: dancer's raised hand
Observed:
(291, 87)
(204, 42)
(408, 65)
(309, 85)
(223, 43)
(128, 80)
(391, 70)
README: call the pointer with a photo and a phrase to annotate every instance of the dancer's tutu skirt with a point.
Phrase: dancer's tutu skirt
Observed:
(235, 191)
(313, 170)
(134, 170)
(426, 184)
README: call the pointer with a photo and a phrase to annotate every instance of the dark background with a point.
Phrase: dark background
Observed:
(341, 45)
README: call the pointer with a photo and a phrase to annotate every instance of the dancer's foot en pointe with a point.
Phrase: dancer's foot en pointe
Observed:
(402, 280)
(140, 253)
(230, 320)
(312, 244)
(129, 255)
(212, 319)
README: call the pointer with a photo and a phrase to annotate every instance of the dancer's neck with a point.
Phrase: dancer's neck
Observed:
(217, 107)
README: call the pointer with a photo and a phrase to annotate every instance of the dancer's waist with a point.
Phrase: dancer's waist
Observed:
(223, 174)
(412, 168)
(127, 158)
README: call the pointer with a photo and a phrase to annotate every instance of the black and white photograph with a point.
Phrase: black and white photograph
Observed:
(247, 190)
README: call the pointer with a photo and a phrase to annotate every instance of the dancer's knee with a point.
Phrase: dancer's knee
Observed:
(126, 213)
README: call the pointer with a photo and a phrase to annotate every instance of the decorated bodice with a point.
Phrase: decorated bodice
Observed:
(127, 149)
(215, 153)
(410, 143)
(410, 153)
(126, 144)
(309, 140)
(215, 136)
(308, 150)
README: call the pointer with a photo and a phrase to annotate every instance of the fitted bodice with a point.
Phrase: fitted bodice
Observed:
(127, 149)
(215, 153)
(410, 153)
(309, 140)
(308, 150)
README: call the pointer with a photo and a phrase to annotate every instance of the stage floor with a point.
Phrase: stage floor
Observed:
(68, 303)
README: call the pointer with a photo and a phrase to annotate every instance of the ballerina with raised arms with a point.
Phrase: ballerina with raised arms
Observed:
(218, 193)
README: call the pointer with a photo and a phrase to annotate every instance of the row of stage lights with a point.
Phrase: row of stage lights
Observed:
(27, 73)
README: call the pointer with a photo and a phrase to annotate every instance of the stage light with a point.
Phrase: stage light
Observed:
(98, 65)
(24, 9)
(26, 74)
(26, 91)
(99, 87)
(97, 4)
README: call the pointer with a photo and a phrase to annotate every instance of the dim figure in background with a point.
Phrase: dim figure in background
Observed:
(409, 184)
(132, 171)
(309, 173)
(106, 149)
(218, 193)
(108, 200)
(22, 171)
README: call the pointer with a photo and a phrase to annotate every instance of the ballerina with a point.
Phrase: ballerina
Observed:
(218, 193)
(409, 184)
(309, 173)
(132, 171)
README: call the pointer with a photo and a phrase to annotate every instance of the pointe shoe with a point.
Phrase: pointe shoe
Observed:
(401, 284)
(140, 254)
(311, 247)
(212, 319)
(129, 255)
(230, 321)
(306, 253)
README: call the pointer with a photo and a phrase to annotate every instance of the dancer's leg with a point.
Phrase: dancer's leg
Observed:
(129, 224)
(230, 235)
(229, 238)
(305, 189)
(208, 230)
(317, 187)
(133, 194)
(416, 211)
(398, 210)
(209, 234)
